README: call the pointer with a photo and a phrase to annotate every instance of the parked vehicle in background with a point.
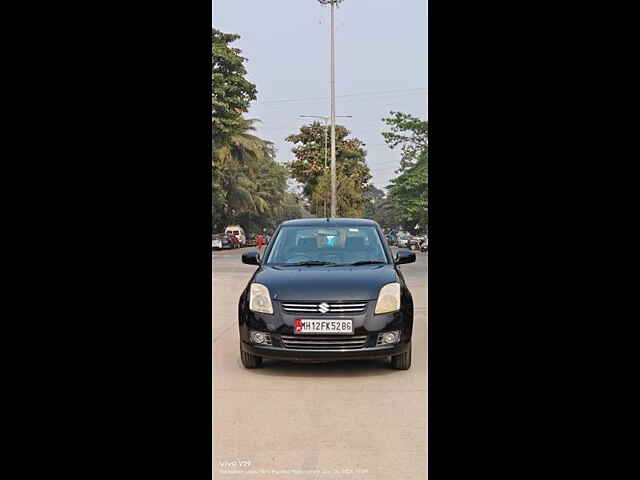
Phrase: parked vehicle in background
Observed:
(216, 241)
(227, 241)
(402, 240)
(221, 241)
(251, 241)
(424, 246)
(238, 232)
(413, 242)
(391, 241)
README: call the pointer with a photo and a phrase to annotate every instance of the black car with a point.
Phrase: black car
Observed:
(326, 289)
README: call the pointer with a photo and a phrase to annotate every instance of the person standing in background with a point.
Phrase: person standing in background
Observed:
(235, 243)
(260, 242)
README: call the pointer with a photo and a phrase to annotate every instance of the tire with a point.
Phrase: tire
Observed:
(402, 361)
(249, 360)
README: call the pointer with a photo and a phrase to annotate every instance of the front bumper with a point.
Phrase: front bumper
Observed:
(280, 327)
(279, 353)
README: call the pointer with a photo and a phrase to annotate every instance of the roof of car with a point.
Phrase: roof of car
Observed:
(334, 222)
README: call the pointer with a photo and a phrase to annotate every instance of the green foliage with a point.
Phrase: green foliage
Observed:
(292, 208)
(352, 173)
(248, 183)
(273, 203)
(231, 91)
(249, 186)
(373, 193)
(408, 132)
(408, 191)
(320, 196)
(379, 208)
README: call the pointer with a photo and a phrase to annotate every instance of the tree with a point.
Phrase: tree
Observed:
(275, 203)
(249, 186)
(408, 191)
(379, 208)
(352, 172)
(320, 196)
(236, 165)
(291, 208)
(408, 132)
(231, 91)
(231, 95)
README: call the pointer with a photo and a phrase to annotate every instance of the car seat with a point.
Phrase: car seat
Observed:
(307, 243)
(355, 250)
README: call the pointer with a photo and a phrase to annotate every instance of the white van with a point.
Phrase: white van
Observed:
(238, 232)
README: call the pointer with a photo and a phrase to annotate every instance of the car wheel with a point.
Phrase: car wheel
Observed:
(402, 361)
(250, 361)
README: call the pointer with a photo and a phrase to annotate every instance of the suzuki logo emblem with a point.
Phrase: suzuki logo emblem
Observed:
(323, 307)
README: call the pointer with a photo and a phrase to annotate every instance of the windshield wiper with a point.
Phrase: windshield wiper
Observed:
(309, 262)
(361, 262)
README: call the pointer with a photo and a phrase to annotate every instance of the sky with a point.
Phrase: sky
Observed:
(381, 65)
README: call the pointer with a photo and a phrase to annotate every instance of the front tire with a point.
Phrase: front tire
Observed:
(249, 360)
(402, 361)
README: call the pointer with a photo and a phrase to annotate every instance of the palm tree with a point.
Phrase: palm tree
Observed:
(236, 164)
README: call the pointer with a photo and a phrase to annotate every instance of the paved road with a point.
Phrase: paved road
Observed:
(343, 420)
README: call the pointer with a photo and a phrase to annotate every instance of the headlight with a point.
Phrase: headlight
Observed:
(259, 299)
(388, 299)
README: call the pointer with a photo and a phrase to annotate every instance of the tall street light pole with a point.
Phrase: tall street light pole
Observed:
(333, 106)
(326, 124)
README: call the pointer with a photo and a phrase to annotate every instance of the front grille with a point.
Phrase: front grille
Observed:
(315, 307)
(316, 342)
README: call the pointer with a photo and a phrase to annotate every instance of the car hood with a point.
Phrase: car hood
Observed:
(315, 283)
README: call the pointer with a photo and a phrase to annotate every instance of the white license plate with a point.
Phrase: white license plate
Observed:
(316, 325)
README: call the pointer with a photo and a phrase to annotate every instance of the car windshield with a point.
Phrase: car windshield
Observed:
(319, 245)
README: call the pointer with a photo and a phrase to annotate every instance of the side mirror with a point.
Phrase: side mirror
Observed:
(405, 256)
(251, 258)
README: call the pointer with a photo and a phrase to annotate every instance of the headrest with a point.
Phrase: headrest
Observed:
(307, 243)
(355, 243)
